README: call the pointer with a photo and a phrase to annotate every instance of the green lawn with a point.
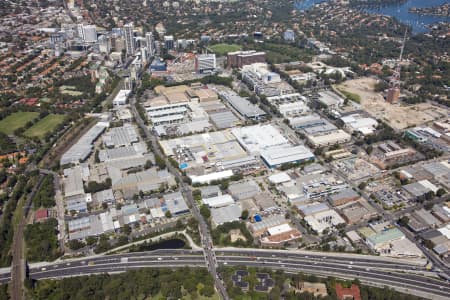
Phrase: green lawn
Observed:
(222, 49)
(16, 121)
(69, 90)
(351, 96)
(44, 125)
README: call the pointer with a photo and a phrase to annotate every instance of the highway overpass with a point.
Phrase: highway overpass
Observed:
(402, 275)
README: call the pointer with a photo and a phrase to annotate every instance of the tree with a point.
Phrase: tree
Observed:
(3, 176)
(207, 290)
(429, 195)
(205, 211)
(318, 151)
(148, 164)
(440, 192)
(42, 242)
(429, 244)
(224, 185)
(403, 221)
(103, 244)
(76, 244)
(91, 240)
(126, 229)
(197, 194)
(160, 162)
(122, 240)
(168, 214)
(362, 185)
(244, 215)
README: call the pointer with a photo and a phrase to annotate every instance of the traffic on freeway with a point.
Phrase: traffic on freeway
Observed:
(402, 275)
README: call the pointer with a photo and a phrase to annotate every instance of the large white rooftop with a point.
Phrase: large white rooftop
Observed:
(211, 177)
(121, 97)
(279, 229)
(259, 137)
(219, 201)
(276, 156)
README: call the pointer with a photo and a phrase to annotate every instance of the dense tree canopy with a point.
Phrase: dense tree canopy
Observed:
(41, 240)
(139, 284)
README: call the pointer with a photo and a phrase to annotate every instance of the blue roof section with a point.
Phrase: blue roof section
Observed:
(129, 209)
(257, 218)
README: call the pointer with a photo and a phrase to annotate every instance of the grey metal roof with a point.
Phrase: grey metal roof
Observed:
(345, 193)
(209, 190)
(244, 190)
(73, 181)
(76, 203)
(226, 214)
(242, 105)
(309, 209)
(268, 222)
(437, 169)
(416, 189)
(81, 149)
(105, 196)
(120, 136)
(223, 119)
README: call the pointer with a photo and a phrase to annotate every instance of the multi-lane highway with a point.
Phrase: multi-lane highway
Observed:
(403, 275)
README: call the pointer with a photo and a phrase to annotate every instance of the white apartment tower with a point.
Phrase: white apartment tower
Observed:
(90, 33)
(150, 43)
(80, 31)
(205, 62)
(129, 38)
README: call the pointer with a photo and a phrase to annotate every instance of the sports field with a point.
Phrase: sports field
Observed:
(222, 49)
(16, 120)
(47, 124)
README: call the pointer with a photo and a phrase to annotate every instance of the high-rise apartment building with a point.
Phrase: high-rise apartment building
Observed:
(169, 42)
(129, 38)
(150, 43)
(90, 33)
(205, 62)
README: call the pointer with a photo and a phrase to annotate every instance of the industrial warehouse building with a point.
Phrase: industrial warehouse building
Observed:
(277, 156)
(218, 201)
(83, 148)
(242, 105)
(328, 139)
(273, 148)
(121, 97)
(359, 123)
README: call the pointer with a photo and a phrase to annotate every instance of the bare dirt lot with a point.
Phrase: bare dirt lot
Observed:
(398, 116)
(235, 234)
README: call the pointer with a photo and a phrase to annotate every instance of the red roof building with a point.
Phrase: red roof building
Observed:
(348, 293)
(41, 214)
(29, 101)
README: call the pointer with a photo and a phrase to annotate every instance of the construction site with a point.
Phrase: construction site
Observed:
(399, 116)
